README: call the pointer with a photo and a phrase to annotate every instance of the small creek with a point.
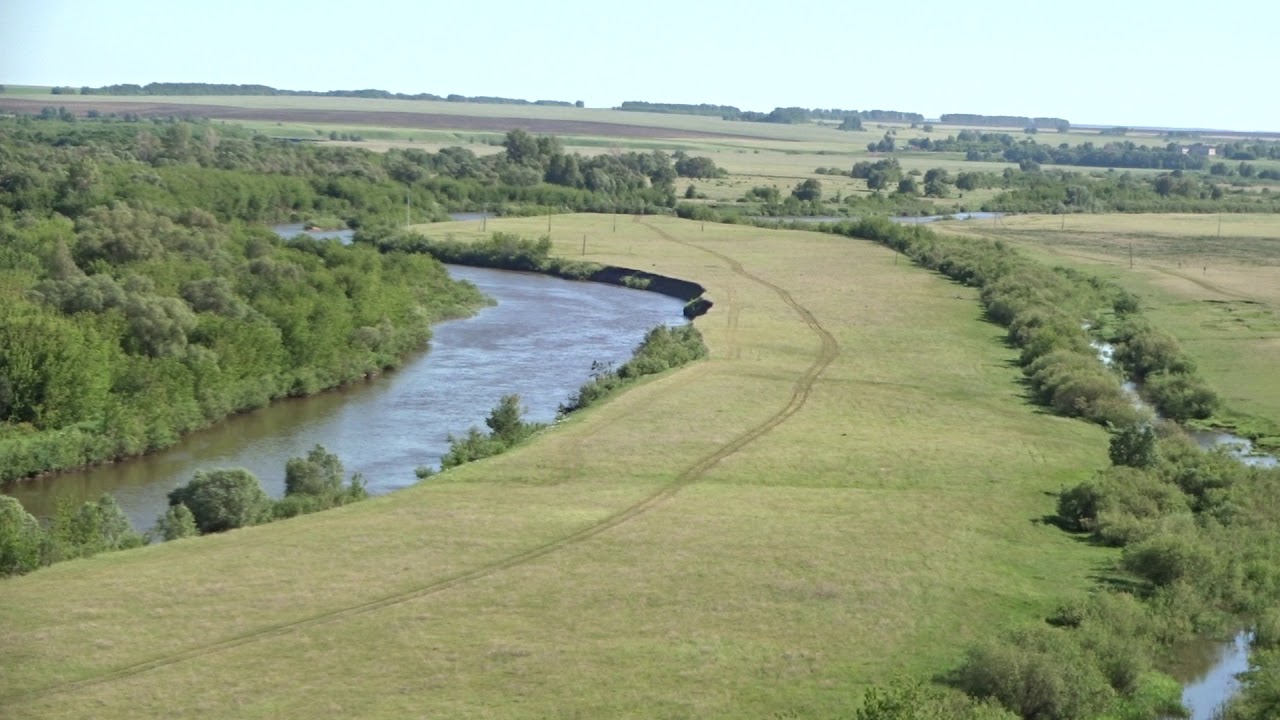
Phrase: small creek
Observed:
(1209, 672)
(1207, 669)
(1241, 448)
(538, 341)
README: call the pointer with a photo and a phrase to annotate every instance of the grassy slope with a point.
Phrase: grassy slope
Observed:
(816, 507)
(1219, 295)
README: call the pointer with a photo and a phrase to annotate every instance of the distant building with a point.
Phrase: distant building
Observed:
(1199, 149)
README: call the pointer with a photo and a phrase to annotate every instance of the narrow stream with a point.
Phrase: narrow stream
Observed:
(1208, 670)
(538, 341)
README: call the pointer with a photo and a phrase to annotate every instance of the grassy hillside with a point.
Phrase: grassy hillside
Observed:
(848, 488)
(1214, 282)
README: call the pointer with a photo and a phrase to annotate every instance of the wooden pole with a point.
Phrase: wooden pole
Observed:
(584, 244)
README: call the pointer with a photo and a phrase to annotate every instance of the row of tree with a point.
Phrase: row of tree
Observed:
(227, 89)
(786, 115)
(1014, 121)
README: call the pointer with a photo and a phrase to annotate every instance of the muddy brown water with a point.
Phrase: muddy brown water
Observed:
(538, 341)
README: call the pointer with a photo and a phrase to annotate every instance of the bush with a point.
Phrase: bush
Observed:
(1180, 397)
(1134, 446)
(223, 499)
(1168, 558)
(176, 523)
(661, 349)
(20, 538)
(1038, 674)
(506, 429)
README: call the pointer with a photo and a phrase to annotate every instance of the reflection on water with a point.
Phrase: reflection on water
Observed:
(1208, 671)
(539, 341)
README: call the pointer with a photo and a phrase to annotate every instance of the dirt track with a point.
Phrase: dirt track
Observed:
(426, 121)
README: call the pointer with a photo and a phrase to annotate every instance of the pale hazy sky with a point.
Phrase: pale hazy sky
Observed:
(1114, 62)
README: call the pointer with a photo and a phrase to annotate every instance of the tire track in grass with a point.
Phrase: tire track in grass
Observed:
(827, 354)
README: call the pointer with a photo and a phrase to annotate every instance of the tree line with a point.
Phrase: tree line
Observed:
(787, 115)
(194, 88)
(1042, 123)
(213, 501)
(1199, 531)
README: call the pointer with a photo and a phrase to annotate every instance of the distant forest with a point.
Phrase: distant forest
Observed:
(1039, 123)
(777, 115)
(230, 89)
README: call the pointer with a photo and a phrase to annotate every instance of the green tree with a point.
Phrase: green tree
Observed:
(851, 123)
(318, 474)
(20, 538)
(908, 186)
(223, 499)
(522, 148)
(1134, 446)
(176, 523)
(809, 190)
(505, 420)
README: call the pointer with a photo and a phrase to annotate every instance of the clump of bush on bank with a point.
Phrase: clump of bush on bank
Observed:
(507, 429)
(214, 501)
(663, 348)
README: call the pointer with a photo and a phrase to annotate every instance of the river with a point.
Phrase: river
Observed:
(538, 341)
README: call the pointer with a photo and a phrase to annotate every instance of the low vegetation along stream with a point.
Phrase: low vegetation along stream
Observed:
(538, 341)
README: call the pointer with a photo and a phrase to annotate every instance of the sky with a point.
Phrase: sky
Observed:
(1172, 63)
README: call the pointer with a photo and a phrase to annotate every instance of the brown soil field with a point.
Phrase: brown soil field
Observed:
(429, 121)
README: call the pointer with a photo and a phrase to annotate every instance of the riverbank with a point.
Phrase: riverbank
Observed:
(1211, 282)
(538, 341)
(767, 522)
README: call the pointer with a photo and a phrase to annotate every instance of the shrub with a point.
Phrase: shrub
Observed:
(1134, 446)
(1178, 396)
(1168, 558)
(176, 523)
(1039, 674)
(223, 499)
(20, 538)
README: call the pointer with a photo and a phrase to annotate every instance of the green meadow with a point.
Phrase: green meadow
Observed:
(848, 489)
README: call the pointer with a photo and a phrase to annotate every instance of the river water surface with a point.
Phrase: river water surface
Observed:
(538, 341)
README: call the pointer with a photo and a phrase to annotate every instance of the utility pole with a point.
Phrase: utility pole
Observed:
(407, 203)
(548, 221)
(484, 218)
(584, 244)
(1130, 254)
(615, 219)
(1219, 226)
(1064, 223)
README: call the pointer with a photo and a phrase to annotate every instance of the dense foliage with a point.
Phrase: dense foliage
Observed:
(1042, 123)
(73, 532)
(213, 501)
(139, 303)
(1199, 531)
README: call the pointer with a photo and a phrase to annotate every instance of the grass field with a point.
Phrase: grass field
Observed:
(849, 488)
(1212, 281)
